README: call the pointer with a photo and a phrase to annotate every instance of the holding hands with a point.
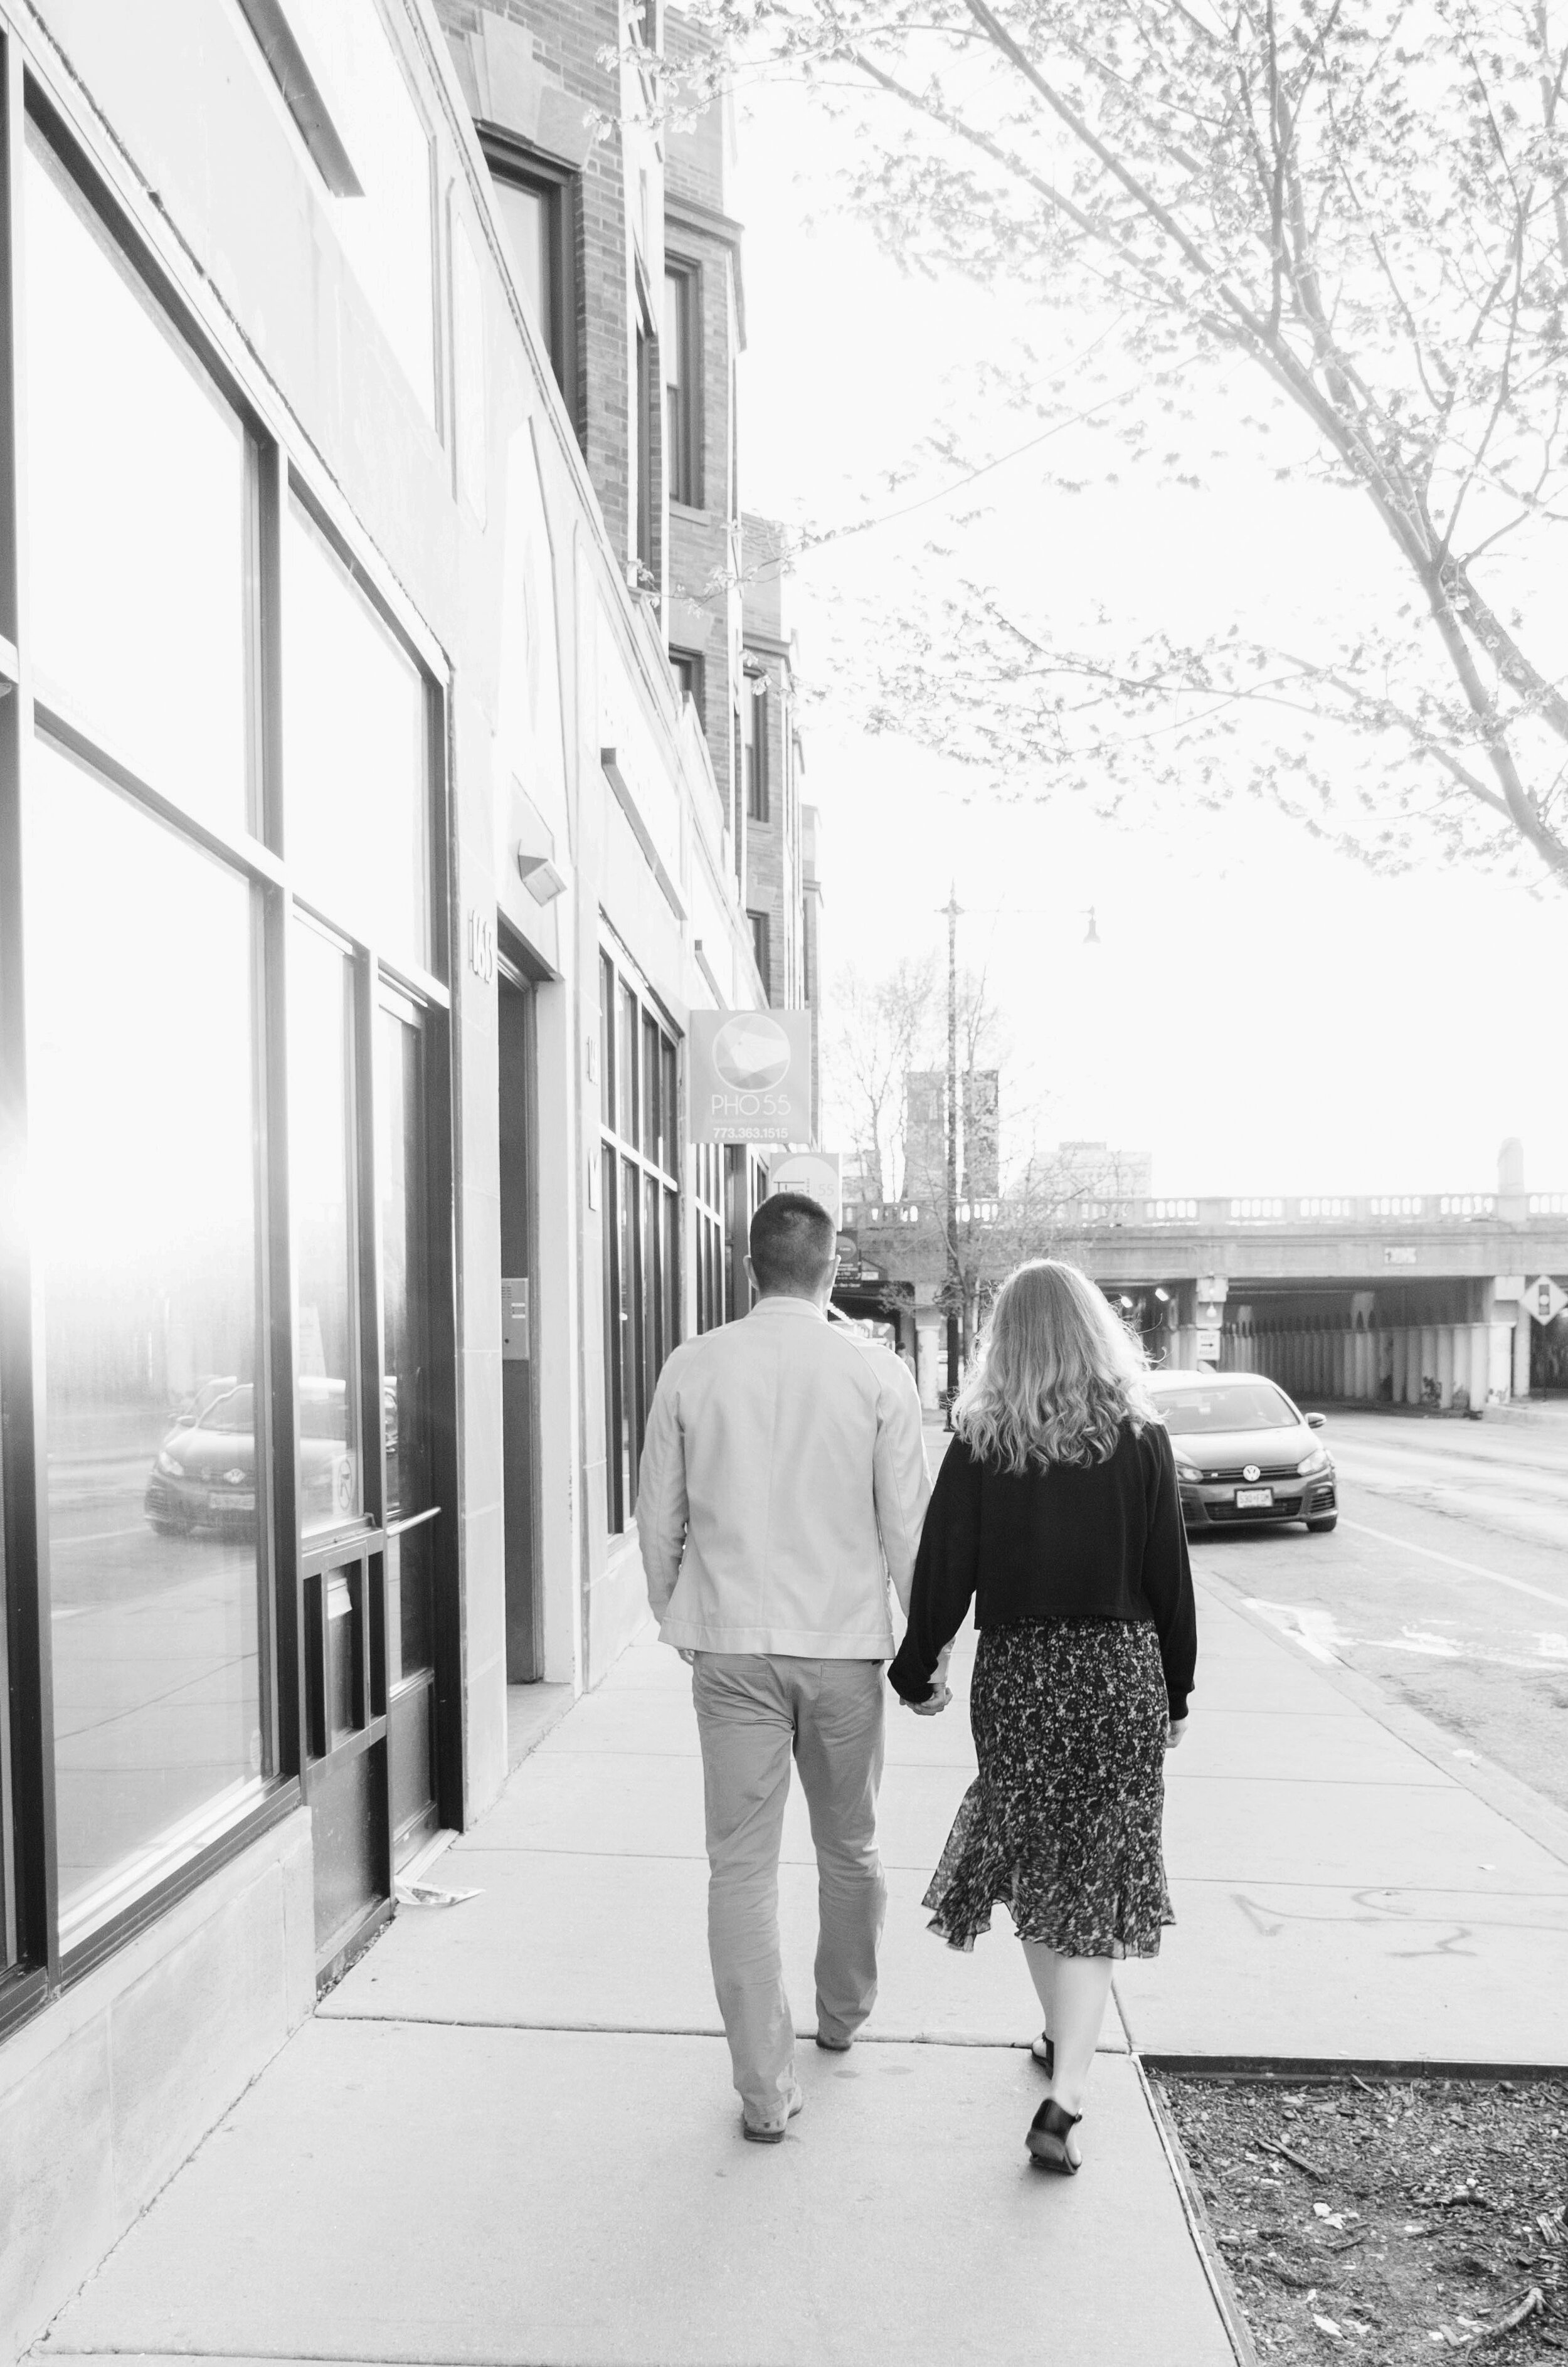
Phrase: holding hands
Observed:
(940, 1694)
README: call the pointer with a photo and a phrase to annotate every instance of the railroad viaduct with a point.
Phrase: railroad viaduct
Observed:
(1418, 1297)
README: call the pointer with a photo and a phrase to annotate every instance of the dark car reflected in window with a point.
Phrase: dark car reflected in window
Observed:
(204, 1476)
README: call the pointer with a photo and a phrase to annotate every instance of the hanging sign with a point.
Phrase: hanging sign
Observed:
(814, 1173)
(750, 1076)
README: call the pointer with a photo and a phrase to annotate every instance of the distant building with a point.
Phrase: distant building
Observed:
(925, 1135)
(1099, 1170)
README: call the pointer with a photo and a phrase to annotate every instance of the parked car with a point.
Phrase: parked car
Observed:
(1245, 1454)
(203, 1477)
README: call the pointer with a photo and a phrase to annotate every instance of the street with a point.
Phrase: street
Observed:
(1445, 1581)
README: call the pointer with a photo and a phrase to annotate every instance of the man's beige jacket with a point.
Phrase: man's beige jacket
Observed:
(783, 1482)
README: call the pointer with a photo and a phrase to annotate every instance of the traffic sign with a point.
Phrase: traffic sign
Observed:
(1544, 1298)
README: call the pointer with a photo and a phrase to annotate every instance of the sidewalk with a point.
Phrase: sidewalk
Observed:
(509, 2136)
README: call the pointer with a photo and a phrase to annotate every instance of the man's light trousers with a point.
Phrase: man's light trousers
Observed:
(754, 1711)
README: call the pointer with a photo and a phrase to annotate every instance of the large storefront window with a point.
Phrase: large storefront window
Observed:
(356, 823)
(227, 1578)
(640, 1117)
(139, 982)
(139, 510)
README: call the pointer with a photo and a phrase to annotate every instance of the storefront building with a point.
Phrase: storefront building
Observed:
(362, 862)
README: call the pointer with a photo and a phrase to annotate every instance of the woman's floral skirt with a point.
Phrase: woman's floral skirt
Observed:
(1061, 1826)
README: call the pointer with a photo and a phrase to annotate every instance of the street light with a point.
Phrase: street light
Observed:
(952, 908)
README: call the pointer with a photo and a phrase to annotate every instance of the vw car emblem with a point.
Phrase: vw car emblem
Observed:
(1252, 1472)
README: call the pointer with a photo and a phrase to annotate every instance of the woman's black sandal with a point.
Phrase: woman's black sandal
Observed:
(1047, 2139)
(1044, 2053)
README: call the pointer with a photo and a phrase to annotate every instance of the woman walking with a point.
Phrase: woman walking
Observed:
(1056, 1512)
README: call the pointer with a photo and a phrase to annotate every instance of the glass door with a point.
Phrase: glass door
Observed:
(412, 1512)
(337, 1488)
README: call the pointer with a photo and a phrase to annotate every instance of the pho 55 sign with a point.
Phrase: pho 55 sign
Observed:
(751, 1076)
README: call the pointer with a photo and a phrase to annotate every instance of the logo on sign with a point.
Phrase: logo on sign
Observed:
(751, 1053)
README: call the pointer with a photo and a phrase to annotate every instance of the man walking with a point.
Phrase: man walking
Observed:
(783, 1481)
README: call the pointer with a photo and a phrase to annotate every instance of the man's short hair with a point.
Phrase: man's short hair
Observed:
(793, 1243)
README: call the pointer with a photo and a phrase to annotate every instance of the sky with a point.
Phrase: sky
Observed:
(1261, 1013)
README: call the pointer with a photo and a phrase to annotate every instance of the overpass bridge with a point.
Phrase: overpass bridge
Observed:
(1422, 1297)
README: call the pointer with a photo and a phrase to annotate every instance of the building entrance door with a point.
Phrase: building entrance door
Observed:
(373, 1475)
(524, 1624)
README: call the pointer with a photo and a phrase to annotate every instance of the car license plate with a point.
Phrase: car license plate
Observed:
(230, 1501)
(1249, 1499)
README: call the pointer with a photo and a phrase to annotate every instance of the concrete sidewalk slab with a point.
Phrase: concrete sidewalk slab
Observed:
(558, 1942)
(406, 2193)
(1311, 1746)
(1331, 1974)
(1252, 1828)
(659, 1720)
(1368, 1906)
(629, 1804)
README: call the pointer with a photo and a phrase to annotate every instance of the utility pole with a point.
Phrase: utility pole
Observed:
(952, 908)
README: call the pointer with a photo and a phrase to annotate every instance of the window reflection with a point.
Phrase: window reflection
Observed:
(320, 1147)
(140, 1065)
(354, 751)
(526, 217)
(138, 502)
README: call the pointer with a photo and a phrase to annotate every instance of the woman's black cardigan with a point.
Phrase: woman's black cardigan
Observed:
(1071, 1541)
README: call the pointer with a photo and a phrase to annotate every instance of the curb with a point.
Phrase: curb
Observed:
(1238, 2334)
(1293, 2070)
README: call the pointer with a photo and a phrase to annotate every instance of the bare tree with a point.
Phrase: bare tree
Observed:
(881, 1026)
(1356, 215)
(889, 1025)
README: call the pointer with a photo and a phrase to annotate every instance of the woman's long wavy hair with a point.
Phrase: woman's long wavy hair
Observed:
(1057, 1374)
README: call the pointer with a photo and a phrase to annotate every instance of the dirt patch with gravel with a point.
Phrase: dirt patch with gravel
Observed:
(1395, 2219)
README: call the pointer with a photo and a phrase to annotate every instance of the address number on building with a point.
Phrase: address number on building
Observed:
(482, 946)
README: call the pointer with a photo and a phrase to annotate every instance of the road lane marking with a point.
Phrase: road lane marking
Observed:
(1473, 1568)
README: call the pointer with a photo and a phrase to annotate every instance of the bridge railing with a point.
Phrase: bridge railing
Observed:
(1325, 1209)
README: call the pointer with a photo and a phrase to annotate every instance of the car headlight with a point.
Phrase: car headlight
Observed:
(1316, 1461)
(1186, 1470)
(166, 1463)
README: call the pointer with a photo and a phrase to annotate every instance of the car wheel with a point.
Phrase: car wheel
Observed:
(1320, 1528)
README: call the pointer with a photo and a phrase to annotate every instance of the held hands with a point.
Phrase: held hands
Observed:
(1175, 1733)
(940, 1694)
